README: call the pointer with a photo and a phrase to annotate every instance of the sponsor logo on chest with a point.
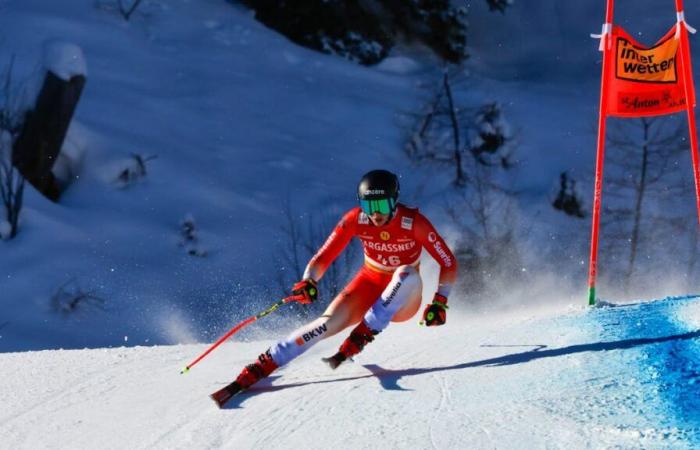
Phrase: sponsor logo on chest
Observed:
(407, 223)
(389, 247)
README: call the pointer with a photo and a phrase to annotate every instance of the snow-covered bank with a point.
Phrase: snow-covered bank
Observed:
(597, 378)
(242, 122)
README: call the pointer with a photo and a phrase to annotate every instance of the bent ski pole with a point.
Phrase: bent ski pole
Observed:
(238, 327)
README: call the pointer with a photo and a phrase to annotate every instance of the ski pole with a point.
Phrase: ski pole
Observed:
(238, 327)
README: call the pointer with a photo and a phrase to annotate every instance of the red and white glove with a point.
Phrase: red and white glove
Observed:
(435, 314)
(305, 291)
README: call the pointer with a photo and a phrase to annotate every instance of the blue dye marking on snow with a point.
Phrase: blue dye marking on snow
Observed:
(671, 364)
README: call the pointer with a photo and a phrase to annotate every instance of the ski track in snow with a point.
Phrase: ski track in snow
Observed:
(611, 377)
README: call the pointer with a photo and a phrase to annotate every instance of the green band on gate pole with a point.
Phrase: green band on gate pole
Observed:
(591, 296)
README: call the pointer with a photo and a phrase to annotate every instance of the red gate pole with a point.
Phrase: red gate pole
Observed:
(688, 88)
(607, 48)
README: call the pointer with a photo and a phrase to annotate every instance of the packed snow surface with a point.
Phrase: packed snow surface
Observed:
(194, 112)
(619, 376)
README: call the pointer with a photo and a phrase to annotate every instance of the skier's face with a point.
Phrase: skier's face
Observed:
(379, 219)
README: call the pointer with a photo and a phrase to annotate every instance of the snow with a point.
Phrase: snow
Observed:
(571, 378)
(213, 117)
(233, 122)
(65, 60)
(399, 64)
(241, 121)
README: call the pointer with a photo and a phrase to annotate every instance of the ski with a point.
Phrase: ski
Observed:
(334, 361)
(225, 394)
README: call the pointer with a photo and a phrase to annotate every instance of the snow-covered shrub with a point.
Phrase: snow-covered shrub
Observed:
(133, 170)
(70, 296)
(568, 200)
(490, 136)
(189, 239)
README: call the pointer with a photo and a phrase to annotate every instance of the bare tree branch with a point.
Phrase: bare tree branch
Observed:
(127, 11)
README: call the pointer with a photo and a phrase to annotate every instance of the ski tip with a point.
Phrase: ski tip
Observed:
(332, 362)
(219, 404)
(185, 370)
(223, 395)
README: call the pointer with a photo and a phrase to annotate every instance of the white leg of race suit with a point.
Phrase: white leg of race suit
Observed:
(300, 341)
(404, 284)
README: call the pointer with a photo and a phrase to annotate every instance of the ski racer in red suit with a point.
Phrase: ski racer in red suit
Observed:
(386, 289)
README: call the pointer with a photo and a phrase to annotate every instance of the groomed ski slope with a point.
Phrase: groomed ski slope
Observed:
(611, 377)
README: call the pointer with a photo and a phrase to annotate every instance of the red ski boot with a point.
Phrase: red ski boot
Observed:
(359, 337)
(251, 374)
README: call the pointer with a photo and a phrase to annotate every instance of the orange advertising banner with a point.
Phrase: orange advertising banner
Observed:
(645, 81)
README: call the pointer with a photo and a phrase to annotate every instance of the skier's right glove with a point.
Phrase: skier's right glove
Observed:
(305, 291)
(435, 314)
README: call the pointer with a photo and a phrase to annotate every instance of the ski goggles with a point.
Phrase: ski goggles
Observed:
(382, 206)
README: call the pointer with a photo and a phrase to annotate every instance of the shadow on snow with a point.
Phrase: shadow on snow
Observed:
(389, 378)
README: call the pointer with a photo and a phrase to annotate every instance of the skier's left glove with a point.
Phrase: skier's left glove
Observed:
(305, 291)
(435, 314)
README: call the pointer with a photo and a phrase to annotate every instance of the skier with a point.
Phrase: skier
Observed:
(387, 288)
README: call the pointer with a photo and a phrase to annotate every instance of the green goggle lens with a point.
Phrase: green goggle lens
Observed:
(382, 206)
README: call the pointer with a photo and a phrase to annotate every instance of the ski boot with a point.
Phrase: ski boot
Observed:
(359, 337)
(251, 374)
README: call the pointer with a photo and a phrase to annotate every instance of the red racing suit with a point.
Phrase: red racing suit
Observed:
(370, 296)
(395, 244)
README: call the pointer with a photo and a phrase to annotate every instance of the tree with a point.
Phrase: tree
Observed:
(460, 137)
(366, 30)
(647, 199)
(476, 145)
(303, 236)
(487, 249)
(11, 182)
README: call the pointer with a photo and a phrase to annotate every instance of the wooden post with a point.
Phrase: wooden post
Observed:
(45, 127)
